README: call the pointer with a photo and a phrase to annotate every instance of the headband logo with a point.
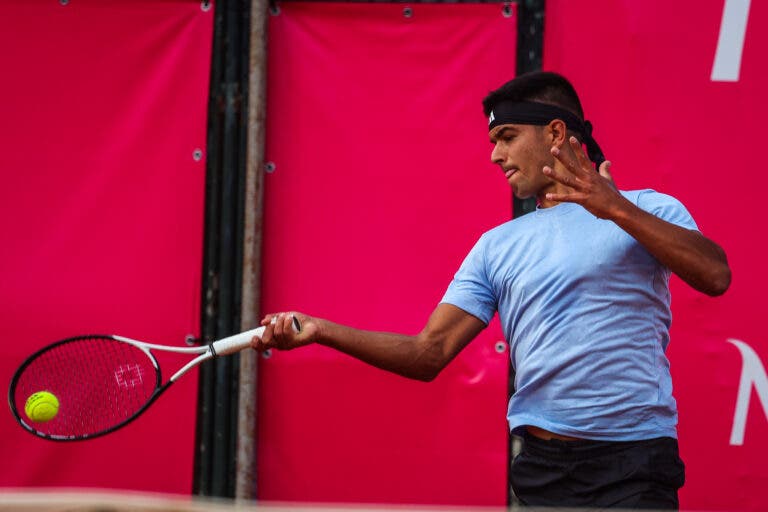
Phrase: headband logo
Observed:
(491, 118)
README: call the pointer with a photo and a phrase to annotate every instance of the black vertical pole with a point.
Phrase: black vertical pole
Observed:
(530, 53)
(214, 467)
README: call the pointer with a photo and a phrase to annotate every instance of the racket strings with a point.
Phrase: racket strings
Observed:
(99, 382)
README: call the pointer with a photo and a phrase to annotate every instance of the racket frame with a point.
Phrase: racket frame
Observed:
(225, 346)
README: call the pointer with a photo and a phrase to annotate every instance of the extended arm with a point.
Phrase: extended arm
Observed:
(697, 260)
(448, 330)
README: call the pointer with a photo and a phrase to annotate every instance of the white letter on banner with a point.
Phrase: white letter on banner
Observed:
(730, 44)
(752, 373)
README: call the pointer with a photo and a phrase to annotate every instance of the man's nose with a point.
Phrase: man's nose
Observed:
(496, 155)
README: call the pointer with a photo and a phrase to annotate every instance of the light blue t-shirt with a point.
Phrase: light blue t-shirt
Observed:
(585, 309)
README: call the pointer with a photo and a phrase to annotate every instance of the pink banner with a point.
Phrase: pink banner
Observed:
(676, 91)
(382, 183)
(103, 167)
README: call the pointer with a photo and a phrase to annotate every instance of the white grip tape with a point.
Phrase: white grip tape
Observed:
(237, 342)
(241, 341)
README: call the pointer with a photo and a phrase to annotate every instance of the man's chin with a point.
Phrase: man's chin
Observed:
(521, 194)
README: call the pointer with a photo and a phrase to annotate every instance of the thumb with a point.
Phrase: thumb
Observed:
(605, 170)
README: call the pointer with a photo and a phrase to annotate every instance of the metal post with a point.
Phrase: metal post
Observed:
(245, 473)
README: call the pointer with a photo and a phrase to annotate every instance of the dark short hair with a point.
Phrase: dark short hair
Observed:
(542, 86)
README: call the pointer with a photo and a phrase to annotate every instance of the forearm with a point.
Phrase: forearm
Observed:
(694, 258)
(448, 330)
(409, 356)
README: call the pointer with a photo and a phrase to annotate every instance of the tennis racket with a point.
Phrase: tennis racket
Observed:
(103, 382)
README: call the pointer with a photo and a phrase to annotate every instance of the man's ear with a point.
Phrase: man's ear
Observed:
(557, 131)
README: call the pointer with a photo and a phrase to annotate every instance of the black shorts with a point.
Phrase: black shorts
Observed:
(598, 474)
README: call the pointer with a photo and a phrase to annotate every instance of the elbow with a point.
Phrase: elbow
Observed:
(722, 275)
(719, 281)
(432, 352)
(425, 373)
(430, 375)
(429, 360)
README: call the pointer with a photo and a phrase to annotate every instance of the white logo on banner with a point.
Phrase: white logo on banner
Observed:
(752, 374)
(730, 44)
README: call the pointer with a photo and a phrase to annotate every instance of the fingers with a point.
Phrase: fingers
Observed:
(277, 323)
(581, 155)
(583, 185)
(260, 344)
(570, 181)
(266, 340)
(566, 179)
(578, 164)
(279, 332)
(605, 170)
(577, 170)
(567, 198)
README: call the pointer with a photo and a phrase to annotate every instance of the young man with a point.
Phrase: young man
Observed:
(581, 288)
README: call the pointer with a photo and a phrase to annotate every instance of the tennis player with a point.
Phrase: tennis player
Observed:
(581, 286)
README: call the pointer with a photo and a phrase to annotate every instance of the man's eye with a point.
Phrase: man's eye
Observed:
(506, 138)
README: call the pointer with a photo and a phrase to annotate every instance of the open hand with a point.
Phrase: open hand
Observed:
(595, 191)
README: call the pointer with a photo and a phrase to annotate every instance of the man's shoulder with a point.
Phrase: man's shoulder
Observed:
(647, 195)
(635, 195)
(651, 200)
(662, 205)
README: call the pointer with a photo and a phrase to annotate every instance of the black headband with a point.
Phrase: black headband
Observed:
(540, 114)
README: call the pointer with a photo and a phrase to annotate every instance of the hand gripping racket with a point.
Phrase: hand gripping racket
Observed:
(103, 382)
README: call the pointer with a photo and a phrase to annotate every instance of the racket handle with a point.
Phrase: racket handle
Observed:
(241, 341)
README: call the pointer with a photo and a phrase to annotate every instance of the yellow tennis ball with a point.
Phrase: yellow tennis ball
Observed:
(42, 406)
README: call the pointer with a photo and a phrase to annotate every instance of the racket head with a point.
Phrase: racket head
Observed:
(101, 383)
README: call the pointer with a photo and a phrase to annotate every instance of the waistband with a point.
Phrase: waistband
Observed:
(583, 448)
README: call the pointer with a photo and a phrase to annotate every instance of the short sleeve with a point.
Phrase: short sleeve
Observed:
(470, 289)
(667, 208)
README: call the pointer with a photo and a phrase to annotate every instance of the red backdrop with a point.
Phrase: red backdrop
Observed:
(644, 71)
(103, 106)
(382, 183)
